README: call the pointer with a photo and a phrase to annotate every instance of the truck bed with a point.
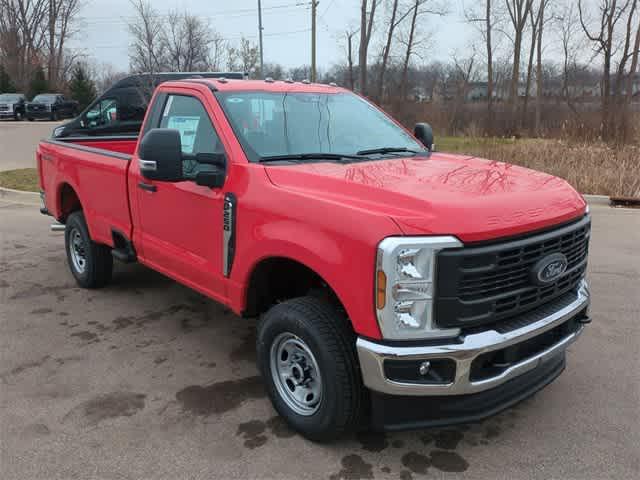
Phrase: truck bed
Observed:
(115, 144)
(84, 169)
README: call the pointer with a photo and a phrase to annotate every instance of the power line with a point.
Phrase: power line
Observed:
(274, 34)
(327, 9)
(127, 20)
(248, 11)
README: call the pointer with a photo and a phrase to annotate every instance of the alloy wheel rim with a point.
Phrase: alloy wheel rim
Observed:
(77, 251)
(296, 374)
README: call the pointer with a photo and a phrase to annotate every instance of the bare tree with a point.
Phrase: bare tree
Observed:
(626, 53)
(106, 75)
(349, 35)
(188, 40)
(216, 52)
(22, 37)
(539, 80)
(366, 28)
(412, 41)
(534, 21)
(485, 21)
(604, 38)
(459, 78)
(569, 28)
(61, 16)
(489, 46)
(634, 65)
(518, 13)
(409, 50)
(387, 49)
(147, 47)
(245, 57)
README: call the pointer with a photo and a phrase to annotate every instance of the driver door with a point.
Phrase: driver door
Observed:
(181, 222)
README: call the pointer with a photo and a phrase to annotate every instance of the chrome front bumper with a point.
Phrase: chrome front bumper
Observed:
(373, 355)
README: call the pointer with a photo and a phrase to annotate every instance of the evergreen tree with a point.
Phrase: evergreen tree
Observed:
(6, 85)
(38, 83)
(82, 88)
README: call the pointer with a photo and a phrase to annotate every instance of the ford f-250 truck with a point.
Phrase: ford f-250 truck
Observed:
(397, 287)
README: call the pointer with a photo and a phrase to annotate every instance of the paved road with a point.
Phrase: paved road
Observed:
(146, 379)
(19, 140)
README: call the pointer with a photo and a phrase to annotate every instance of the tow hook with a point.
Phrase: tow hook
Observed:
(584, 320)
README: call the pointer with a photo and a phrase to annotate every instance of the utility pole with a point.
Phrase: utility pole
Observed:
(314, 7)
(260, 32)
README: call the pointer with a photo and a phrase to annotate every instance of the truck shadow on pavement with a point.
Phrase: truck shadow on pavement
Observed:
(199, 363)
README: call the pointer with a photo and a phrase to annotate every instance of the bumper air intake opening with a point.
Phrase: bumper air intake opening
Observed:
(492, 364)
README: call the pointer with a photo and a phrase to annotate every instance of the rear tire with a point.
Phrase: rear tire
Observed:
(90, 263)
(294, 339)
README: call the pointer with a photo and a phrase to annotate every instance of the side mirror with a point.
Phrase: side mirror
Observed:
(214, 179)
(424, 133)
(160, 153)
(216, 159)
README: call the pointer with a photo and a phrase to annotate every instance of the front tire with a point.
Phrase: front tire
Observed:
(90, 263)
(306, 354)
(17, 116)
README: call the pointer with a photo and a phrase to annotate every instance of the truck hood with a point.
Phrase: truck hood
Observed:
(471, 198)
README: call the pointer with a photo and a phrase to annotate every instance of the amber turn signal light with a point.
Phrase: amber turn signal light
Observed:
(381, 289)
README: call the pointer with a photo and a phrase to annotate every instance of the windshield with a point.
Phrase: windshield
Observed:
(6, 97)
(274, 124)
(45, 98)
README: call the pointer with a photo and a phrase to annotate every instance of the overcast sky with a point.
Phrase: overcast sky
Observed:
(104, 37)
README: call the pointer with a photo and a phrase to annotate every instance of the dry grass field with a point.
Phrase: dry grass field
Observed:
(595, 168)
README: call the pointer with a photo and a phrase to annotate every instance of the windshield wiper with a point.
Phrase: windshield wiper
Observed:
(383, 150)
(310, 156)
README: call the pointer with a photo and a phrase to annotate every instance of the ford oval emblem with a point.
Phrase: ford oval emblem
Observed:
(549, 269)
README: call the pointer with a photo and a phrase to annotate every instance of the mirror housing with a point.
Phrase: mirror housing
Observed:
(216, 159)
(213, 179)
(424, 133)
(160, 153)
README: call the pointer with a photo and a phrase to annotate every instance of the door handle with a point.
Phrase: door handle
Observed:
(148, 187)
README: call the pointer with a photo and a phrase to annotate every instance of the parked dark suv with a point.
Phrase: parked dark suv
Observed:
(12, 105)
(52, 106)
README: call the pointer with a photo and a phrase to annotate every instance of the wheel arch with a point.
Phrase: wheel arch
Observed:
(68, 200)
(276, 278)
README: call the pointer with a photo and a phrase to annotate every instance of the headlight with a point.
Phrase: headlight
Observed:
(405, 270)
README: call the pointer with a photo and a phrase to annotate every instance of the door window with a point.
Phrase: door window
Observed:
(105, 112)
(197, 135)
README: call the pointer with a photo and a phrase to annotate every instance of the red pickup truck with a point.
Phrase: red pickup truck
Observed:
(397, 287)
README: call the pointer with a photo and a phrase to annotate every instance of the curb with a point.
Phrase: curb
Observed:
(598, 199)
(19, 196)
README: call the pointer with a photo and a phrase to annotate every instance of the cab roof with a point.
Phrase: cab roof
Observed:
(233, 85)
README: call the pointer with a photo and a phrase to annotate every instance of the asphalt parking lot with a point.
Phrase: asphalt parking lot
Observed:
(18, 141)
(146, 379)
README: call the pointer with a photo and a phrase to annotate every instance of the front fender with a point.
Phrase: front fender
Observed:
(345, 263)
